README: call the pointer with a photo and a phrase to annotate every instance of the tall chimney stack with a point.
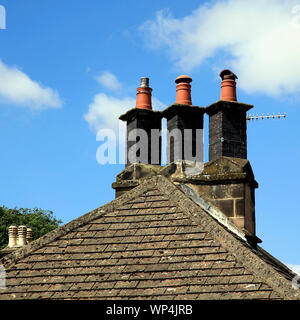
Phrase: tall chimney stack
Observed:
(227, 180)
(143, 140)
(227, 121)
(232, 184)
(184, 125)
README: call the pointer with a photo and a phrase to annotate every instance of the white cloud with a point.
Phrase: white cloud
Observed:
(258, 39)
(157, 104)
(295, 268)
(17, 88)
(109, 81)
(104, 111)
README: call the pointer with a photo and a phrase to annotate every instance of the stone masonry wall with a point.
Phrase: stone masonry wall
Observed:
(236, 200)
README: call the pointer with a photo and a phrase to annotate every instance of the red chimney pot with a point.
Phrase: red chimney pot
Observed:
(228, 85)
(143, 95)
(183, 90)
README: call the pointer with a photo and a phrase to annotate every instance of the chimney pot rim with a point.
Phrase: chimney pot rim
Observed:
(183, 78)
(227, 74)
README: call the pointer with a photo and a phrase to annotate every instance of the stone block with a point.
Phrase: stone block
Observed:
(238, 221)
(237, 190)
(226, 206)
(239, 207)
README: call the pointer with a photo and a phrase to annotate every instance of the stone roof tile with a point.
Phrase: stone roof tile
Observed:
(151, 243)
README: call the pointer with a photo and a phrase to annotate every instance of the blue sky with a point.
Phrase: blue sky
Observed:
(69, 68)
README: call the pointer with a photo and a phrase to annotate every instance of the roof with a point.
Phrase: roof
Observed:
(154, 242)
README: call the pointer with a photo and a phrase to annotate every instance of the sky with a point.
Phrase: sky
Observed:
(70, 68)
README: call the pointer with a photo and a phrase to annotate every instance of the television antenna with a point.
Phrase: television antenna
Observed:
(250, 117)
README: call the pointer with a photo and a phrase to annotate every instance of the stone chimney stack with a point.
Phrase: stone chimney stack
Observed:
(227, 122)
(226, 181)
(184, 125)
(143, 141)
(229, 181)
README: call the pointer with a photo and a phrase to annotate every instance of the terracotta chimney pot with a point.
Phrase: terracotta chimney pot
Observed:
(12, 236)
(183, 90)
(143, 95)
(228, 85)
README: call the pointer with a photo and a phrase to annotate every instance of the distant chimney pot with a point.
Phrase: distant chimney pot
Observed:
(21, 236)
(228, 85)
(12, 236)
(183, 90)
(143, 95)
(28, 235)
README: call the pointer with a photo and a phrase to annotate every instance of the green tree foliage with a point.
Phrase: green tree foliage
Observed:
(40, 221)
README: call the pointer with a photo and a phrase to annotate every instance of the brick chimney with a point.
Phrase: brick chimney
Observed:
(227, 122)
(143, 141)
(184, 125)
(227, 181)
